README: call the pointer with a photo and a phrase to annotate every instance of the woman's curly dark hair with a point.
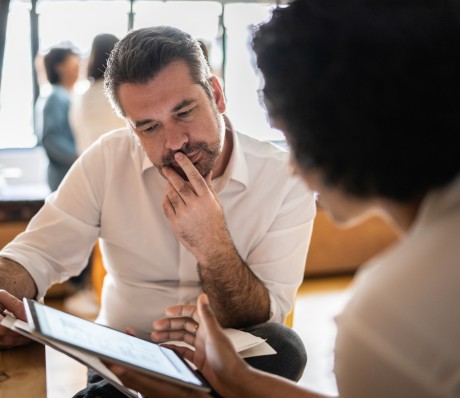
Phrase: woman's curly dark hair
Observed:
(368, 91)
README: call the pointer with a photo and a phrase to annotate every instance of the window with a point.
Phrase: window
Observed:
(77, 22)
(243, 84)
(16, 97)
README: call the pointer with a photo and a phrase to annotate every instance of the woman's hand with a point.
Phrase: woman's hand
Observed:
(213, 355)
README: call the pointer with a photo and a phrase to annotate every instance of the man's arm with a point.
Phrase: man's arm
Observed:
(237, 294)
(238, 297)
(16, 280)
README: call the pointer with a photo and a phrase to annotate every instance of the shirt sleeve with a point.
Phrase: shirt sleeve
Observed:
(59, 239)
(279, 258)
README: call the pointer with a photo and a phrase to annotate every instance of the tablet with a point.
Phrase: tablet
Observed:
(112, 345)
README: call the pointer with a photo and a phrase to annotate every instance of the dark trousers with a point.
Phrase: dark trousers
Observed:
(289, 362)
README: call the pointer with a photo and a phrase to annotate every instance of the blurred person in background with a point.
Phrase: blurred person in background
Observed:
(54, 130)
(91, 114)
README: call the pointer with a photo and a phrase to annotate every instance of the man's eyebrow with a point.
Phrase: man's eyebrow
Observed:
(186, 102)
(183, 104)
(141, 123)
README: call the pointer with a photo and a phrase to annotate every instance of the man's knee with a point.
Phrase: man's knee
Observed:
(291, 357)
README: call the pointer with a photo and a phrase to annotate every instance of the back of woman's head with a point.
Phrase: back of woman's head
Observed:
(367, 91)
(101, 48)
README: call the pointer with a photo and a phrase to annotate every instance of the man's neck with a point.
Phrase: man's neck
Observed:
(224, 158)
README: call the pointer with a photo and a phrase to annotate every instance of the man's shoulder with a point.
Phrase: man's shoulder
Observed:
(115, 137)
(268, 165)
(115, 143)
(263, 150)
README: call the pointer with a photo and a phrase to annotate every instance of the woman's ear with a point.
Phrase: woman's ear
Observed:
(218, 94)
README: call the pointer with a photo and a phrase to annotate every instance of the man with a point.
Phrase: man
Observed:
(367, 93)
(181, 204)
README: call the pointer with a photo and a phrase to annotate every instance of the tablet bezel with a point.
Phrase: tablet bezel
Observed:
(34, 320)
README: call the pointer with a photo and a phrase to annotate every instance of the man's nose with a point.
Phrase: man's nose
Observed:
(176, 138)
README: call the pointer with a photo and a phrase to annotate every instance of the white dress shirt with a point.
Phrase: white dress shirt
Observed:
(113, 192)
(399, 336)
(91, 115)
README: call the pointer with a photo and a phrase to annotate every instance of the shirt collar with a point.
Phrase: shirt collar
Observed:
(146, 162)
(237, 168)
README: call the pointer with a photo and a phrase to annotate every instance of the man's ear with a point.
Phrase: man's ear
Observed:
(218, 94)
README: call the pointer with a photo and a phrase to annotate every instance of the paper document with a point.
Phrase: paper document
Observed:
(246, 344)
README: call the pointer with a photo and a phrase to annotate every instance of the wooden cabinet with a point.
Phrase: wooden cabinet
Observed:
(338, 250)
(9, 230)
(23, 372)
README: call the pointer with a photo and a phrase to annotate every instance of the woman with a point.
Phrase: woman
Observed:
(91, 114)
(55, 132)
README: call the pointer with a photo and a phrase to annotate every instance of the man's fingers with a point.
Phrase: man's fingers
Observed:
(208, 180)
(178, 323)
(188, 311)
(206, 316)
(175, 199)
(12, 304)
(173, 335)
(168, 208)
(131, 331)
(195, 178)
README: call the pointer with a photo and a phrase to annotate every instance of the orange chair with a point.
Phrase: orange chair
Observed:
(97, 272)
(289, 321)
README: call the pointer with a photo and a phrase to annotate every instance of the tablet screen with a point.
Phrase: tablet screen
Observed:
(112, 344)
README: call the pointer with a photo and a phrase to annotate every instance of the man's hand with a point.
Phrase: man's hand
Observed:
(237, 295)
(194, 211)
(8, 338)
(180, 324)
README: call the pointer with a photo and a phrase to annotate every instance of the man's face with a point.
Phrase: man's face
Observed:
(173, 114)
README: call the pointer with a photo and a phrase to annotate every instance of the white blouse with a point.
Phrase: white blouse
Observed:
(399, 336)
(91, 115)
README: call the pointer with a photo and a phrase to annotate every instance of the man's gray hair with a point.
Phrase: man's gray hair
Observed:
(143, 53)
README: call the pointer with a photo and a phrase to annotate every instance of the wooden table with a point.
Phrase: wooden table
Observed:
(23, 372)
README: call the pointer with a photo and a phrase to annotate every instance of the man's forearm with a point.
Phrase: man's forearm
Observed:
(236, 294)
(16, 280)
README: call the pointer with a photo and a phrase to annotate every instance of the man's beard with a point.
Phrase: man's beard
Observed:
(208, 152)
